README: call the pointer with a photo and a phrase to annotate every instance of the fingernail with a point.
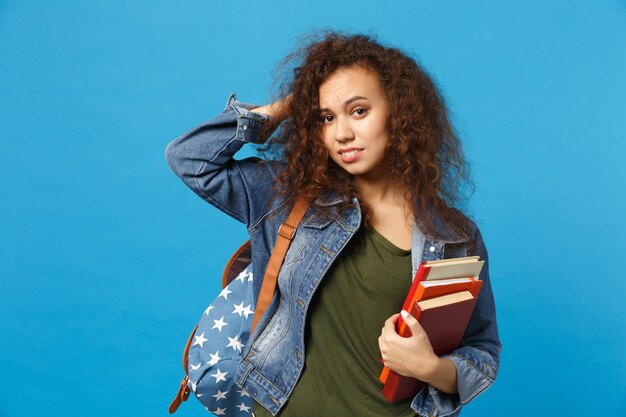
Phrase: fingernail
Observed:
(404, 314)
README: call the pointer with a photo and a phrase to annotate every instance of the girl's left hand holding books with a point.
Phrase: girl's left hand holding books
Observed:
(409, 356)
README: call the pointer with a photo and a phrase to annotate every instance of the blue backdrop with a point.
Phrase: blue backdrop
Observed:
(107, 259)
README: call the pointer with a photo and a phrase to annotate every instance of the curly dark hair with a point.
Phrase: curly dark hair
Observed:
(426, 154)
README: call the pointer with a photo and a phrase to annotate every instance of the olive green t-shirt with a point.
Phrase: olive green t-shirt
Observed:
(364, 287)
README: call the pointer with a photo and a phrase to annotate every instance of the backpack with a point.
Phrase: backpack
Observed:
(213, 350)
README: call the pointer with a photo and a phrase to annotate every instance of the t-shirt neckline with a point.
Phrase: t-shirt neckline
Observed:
(385, 242)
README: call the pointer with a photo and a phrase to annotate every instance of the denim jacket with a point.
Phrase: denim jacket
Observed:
(274, 357)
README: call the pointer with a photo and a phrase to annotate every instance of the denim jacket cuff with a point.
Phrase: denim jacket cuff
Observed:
(248, 122)
(431, 402)
(475, 373)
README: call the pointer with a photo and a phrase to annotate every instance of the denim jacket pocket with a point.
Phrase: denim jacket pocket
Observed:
(308, 229)
(317, 221)
(455, 249)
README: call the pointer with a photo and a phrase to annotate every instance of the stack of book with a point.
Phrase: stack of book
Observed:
(441, 298)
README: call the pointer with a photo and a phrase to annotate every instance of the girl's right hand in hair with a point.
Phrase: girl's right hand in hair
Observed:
(278, 111)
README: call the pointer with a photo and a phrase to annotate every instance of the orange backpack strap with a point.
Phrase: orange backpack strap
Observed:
(183, 390)
(237, 263)
(286, 233)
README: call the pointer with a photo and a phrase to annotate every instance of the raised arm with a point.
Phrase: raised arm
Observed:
(203, 159)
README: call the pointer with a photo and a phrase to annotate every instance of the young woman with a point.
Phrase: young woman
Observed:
(365, 137)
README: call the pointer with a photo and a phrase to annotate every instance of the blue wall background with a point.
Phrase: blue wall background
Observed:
(107, 259)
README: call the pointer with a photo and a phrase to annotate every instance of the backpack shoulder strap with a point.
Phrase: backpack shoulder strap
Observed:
(286, 233)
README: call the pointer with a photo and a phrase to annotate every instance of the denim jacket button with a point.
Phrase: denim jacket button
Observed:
(245, 127)
(432, 248)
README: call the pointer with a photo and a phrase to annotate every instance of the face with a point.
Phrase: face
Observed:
(354, 113)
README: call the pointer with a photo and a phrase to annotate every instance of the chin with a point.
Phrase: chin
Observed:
(355, 172)
(355, 169)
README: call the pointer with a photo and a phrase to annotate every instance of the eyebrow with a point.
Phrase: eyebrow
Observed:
(350, 100)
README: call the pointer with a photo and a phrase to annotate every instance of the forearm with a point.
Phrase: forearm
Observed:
(277, 111)
(268, 109)
(443, 376)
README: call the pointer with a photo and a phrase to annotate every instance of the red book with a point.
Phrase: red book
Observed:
(442, 270)
(435, 278)
(444, 320)
(430, 289)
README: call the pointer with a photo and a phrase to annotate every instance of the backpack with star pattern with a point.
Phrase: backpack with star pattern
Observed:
(213, 350)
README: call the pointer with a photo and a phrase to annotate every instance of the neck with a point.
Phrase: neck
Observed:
(378, 190)
(387, 202)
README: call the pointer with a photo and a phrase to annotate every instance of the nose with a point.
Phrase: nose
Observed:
(343, 132)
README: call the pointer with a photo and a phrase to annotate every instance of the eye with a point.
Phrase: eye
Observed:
(363, 111)
(324, 119)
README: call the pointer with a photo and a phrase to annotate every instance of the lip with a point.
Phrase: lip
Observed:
(352, 157)
(341, 151)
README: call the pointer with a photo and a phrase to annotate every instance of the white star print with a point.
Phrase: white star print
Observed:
(238, 309)
(249, 276)
(199, 340)
(219, 411)
(243, 407)
(194, 367)
(242, 276)
(215, 358)
(244, 393)
(225, 293)
(233, 342)
(219, 376)
(193, 385)
(220, 395)
(209, 308)
(219, 324)
(247, 311)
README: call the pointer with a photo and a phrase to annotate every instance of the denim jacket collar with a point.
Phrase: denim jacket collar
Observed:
(330, 198)
(443, 231)
(424, 246)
